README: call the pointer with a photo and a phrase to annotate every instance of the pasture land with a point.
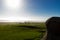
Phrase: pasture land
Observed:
(22, 31)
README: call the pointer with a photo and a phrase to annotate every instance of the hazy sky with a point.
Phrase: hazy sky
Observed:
(29, 10)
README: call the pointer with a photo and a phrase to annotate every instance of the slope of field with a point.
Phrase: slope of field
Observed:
(22, 31)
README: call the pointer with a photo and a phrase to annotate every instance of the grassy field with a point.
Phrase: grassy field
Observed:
(22, 31)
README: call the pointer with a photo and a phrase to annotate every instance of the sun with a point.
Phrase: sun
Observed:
(14, 4)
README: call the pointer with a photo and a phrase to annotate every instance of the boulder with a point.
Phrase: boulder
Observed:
(53, 29)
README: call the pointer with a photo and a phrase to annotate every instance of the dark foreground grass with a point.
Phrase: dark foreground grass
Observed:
(16, 32)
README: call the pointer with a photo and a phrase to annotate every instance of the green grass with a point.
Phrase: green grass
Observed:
(17, 32)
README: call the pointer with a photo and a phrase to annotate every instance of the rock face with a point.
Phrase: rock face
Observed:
(53, 29)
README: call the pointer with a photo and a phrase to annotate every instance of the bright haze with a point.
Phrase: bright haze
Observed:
(28, 10)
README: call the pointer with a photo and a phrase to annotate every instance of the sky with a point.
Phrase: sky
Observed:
(29, 10)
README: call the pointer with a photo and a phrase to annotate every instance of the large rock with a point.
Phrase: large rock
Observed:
(53, 29)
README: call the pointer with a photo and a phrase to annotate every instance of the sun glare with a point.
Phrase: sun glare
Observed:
(10, 11)
(15, 19)
(14, 4)
(14, 12)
